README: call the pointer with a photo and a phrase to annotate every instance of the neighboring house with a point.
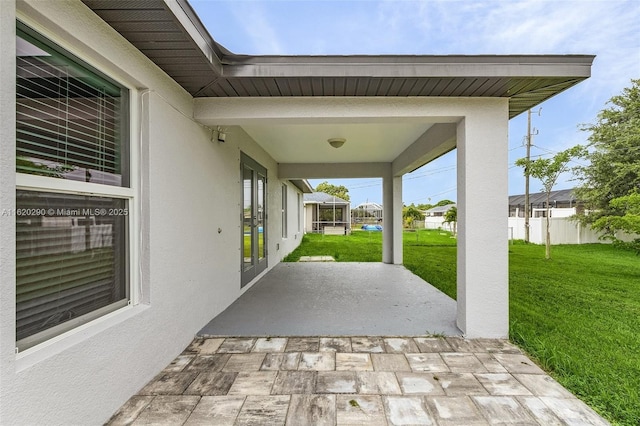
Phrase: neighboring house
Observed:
(182, 168)
(563, 203)
(367, 213)
(434, 218)
(563, 229)
(326, 214)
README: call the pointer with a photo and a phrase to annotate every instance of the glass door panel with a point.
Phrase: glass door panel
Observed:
(247, 217)
(261, 215)
(254, 219)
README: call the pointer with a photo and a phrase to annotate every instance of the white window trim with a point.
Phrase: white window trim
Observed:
(285, 213)
(62, 341)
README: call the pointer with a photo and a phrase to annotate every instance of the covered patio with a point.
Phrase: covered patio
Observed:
(337, 299)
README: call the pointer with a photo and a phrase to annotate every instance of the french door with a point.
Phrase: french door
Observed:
(254, 218)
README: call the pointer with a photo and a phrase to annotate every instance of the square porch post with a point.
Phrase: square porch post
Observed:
(483, 263)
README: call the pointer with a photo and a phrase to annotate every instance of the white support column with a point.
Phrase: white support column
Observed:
(387, 217)
(397, 220)
(483, 263)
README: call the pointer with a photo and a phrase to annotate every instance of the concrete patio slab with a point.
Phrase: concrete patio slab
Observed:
(306, 388)
(338, 299)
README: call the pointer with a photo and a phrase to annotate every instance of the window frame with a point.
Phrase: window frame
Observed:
(131, 103)
(285, 225)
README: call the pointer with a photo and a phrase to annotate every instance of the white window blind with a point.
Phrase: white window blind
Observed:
(68, 118)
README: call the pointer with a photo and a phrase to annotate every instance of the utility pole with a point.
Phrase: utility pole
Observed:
(527, 204)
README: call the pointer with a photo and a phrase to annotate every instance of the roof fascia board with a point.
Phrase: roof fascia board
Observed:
(189, 21)
(413, 66)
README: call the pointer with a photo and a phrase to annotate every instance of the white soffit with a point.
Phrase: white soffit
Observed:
(307, 143)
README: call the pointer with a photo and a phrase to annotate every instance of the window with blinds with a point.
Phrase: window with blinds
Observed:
(71, 248)
(69, 118)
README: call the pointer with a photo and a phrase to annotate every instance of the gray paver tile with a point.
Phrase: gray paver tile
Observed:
(377, 383)
(419, 384)
(454, 411)
(294, 382)
(432, 344)
(360, 410)
(336, 382)
(498, 346)
(458, 384)
(253, 383)
(178, 364)
(169, 384)
(390, 362)
(130, 410)
(400, 345)
(244, 362)
(263, 410)
(490, 363)
(516, 363)
(303, 344)
(435, 386)
(209, 346)
(460, 344)
(208, 362)
(236, 345)
(270, 344)
(431, 362)
(407, 410)
(367, 344)
(167, 410)
(211, 383)
(539, 411)
(335, 344)
(353, 362)
(573, 411)
(216, 411)
(312, 410)
(503, 410)
(317, 361)
(281, 361)
(543, 385)
(463, 362)
(502, 384)
(193, 347)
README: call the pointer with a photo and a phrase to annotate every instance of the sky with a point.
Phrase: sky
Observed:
(609, 29)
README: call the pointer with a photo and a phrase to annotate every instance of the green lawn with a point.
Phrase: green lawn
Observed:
(577, 314)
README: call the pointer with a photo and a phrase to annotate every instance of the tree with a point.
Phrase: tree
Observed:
(443, 203)
(410, 214)
(547, 170)
(451, 216)
(340, 191)
(611, 181)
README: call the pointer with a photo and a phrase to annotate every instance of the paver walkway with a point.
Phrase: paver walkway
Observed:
(353, 381)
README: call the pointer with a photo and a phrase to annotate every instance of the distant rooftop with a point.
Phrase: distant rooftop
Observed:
(323, 198)
(560, 196)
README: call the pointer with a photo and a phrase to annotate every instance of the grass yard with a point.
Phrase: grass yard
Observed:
(577, 314)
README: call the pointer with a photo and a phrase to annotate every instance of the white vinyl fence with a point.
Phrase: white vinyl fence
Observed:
(563, 231)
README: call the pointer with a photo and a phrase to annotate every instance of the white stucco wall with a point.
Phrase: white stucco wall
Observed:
(483, 258)
(188, 188)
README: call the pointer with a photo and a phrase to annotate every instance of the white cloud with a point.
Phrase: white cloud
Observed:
(254, 20)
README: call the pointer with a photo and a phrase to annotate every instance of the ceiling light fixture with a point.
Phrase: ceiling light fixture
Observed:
(336, 142)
